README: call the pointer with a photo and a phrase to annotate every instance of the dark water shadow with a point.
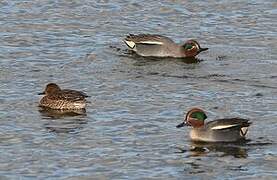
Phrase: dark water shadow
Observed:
(209, 76)
(194, 164)
(144, 60)
(58, 114)
(253, 83)
(220, 149)
(236, 150)
(260, 141)
(72, 126)
(221, 58)
(224, 149)
(63, 121)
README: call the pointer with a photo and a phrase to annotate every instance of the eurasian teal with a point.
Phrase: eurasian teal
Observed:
(220, 130)
(56, 98)
(161, 46)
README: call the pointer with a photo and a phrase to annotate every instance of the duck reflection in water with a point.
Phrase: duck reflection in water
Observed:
(142, 61)
(57, 113)
(225, 149)
(236, 149)
(63, 121)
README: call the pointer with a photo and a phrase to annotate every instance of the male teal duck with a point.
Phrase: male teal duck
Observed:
(66, 99)
(220, 130)
(160, 46)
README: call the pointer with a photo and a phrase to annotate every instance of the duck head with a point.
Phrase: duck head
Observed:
(50, 89)
(194, 117)
(192, 48)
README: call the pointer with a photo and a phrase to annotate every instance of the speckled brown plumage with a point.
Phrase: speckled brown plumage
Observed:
(56, 98)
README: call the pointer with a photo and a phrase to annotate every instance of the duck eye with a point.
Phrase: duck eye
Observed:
(188, 46)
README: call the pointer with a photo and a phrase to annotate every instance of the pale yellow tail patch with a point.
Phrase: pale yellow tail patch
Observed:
(243, 131)
(223, 126)
(131, 44)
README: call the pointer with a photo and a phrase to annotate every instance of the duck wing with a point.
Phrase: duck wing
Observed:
(147, 39)
(77, 93)
(68, 95)
(230, 123)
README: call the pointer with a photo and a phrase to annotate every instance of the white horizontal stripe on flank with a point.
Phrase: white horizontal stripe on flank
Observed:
(223, 126)
(151, 42)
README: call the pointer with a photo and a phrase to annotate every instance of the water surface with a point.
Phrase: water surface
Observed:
(128, 131)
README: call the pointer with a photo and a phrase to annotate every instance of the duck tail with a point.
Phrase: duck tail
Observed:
(244, 128)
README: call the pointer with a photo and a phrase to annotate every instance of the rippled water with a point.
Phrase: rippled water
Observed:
(128, 131)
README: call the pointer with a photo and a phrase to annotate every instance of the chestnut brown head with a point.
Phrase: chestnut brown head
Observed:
(194, 117)
(192, 48)
(50, 89)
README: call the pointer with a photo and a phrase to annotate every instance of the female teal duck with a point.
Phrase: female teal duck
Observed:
(66, 99)
(160, 46)
(220, 130)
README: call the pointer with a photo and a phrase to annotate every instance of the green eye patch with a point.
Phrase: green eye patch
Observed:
(199, 116)
(188, 46)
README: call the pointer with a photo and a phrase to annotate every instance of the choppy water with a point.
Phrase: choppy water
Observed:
(129, 129)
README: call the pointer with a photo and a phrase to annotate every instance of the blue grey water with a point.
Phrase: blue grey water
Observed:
(129, 131)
